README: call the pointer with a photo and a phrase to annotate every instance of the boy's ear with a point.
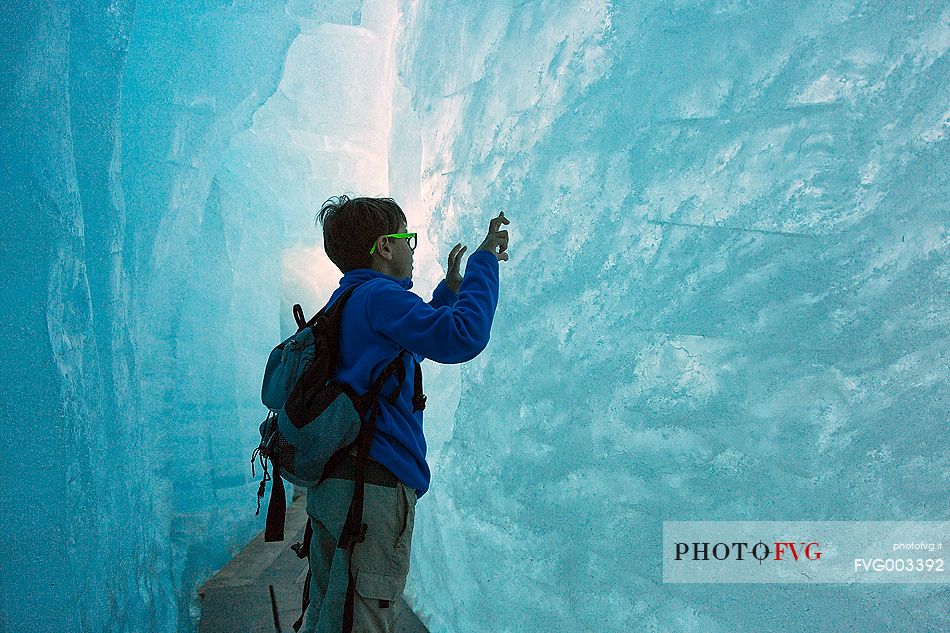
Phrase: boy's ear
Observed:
(379, 248)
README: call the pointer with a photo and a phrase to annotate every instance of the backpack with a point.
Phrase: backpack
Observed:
(314, 422)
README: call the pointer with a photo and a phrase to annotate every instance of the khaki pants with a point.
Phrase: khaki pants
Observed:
(380, 563)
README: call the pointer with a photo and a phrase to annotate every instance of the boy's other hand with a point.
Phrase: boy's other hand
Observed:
(453, 278)
(497, 238)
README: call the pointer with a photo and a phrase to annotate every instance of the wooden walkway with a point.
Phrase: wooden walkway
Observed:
(260, 590)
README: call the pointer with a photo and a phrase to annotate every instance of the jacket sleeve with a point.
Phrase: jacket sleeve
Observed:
(447, 334)
(443, 295)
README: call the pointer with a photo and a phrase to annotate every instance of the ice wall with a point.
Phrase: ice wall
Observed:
(726, 299)
(76, 498)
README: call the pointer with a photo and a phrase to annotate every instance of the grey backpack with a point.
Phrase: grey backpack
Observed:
(314, 422)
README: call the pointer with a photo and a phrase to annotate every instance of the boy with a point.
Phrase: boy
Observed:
(368, 240)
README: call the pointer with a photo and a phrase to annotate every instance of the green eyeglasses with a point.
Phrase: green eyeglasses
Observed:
(410, 236)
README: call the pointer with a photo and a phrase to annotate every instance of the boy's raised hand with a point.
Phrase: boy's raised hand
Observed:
(497, 238)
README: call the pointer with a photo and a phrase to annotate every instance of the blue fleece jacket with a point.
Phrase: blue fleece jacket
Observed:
(381, 318)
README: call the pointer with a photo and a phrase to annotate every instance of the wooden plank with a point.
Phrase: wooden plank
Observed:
(250, 564)
(238, 609)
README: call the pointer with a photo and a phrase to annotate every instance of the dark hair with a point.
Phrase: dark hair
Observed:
(351, 226)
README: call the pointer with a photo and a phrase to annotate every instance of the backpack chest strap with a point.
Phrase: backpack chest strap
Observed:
(418, 398)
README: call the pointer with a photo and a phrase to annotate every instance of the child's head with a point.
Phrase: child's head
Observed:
(351, 227)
